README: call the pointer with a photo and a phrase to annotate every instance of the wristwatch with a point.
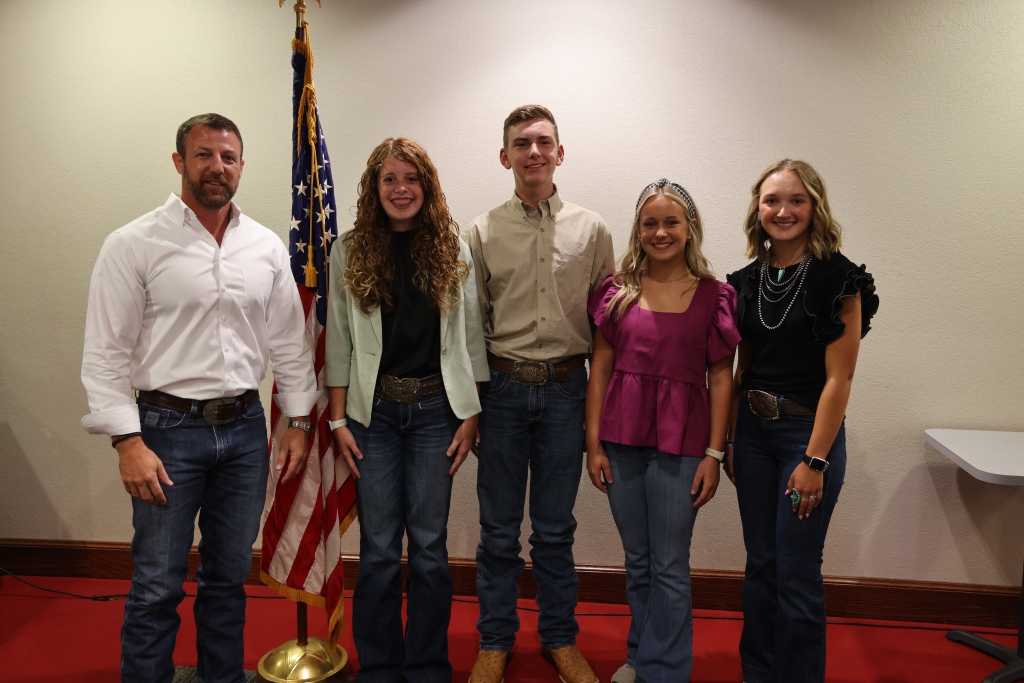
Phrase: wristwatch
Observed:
(816, 464)
(334, 424)
(301, 424)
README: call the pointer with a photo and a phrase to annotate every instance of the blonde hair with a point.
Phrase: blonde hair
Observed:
(369, 271)
(826, 235)
(635, 261)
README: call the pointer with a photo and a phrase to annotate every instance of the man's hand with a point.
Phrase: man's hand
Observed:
(142, 472)
(599, 467)
(292, 455)
(466, 438)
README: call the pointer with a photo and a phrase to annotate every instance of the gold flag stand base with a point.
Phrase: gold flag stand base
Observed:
(303, 660)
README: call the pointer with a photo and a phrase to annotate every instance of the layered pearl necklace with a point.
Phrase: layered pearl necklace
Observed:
(781, 288)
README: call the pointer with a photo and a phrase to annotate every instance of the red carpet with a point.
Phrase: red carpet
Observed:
(46, 637)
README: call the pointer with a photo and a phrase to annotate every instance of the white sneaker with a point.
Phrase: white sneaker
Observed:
(625, 674)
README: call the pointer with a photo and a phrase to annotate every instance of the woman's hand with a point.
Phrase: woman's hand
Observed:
(808, 483)
(597, 465)
(345, 444)
(728, 463)
(708, 475)
(465, 439)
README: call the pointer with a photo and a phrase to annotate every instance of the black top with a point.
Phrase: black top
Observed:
(790, 360)
(412, 328)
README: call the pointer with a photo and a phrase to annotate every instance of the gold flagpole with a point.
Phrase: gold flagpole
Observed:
(305, 659)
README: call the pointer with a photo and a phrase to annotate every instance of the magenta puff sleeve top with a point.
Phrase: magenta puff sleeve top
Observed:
(658, 393)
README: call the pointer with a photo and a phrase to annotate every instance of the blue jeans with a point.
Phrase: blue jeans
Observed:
(405, 489)
(783, 593)
(535, 430)
(219, 472)
(653, 510)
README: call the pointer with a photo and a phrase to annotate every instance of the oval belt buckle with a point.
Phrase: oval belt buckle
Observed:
(763, 404)
(210, 411)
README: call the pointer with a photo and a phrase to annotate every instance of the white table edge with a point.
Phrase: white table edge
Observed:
(989, 477)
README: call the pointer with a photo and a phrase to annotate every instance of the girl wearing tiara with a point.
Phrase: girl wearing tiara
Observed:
(658, 406)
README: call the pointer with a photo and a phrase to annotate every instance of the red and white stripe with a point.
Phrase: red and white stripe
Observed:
(305, 518)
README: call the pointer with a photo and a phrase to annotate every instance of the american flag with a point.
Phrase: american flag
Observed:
(305, 517)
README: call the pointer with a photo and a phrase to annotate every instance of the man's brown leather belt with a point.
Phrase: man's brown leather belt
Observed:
(771, 407)
(535, 373)
(215, 411)
(408, 389)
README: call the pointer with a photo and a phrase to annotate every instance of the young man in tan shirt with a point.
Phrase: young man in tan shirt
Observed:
(537, 259)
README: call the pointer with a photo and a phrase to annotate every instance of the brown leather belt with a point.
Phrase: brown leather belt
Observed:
(215, 411)
(533, 373)
(408, 389)
(771, 407)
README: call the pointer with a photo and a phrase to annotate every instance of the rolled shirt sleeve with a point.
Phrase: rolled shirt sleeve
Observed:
(113, 320)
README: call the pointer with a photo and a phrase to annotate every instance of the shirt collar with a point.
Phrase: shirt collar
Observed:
(177, 210)
(550, 206)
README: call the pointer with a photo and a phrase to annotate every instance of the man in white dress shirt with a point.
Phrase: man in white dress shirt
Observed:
(186, 306)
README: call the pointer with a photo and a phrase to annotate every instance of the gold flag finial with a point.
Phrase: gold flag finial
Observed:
(300, 10)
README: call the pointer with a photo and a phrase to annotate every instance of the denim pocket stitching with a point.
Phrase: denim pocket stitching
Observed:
(499, 382)
(165, 415)
(560, 386)
(258, 416)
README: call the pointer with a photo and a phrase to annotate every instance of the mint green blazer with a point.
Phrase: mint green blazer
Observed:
(355, 344)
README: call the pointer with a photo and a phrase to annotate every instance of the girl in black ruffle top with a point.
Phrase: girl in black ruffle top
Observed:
(803, 308)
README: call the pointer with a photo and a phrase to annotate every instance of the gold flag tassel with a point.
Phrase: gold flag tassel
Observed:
(307, 105)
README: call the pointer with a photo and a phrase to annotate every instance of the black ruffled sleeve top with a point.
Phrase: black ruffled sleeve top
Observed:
(790, 360)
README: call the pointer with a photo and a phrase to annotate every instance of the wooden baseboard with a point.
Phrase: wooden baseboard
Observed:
(851, 597)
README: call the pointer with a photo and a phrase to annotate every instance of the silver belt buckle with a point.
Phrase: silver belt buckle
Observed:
(763, 404)
(210, 411)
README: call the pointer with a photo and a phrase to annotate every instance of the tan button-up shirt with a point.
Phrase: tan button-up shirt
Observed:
(535, 271)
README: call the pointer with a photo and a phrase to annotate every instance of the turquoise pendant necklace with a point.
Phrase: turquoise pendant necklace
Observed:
(782, 272)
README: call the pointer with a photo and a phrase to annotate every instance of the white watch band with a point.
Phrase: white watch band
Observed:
(334, 424)
(717, 455)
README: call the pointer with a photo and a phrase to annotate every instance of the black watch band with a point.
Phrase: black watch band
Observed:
(816, 464)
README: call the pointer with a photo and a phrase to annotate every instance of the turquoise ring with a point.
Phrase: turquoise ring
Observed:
(795, 497)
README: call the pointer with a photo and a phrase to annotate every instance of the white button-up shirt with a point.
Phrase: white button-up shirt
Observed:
(172, 311)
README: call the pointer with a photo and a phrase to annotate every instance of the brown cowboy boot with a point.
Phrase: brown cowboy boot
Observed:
(570, 664)
(489, 667)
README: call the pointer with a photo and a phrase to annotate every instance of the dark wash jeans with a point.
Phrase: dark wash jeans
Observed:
(783, 637)
(405, 489)
(535, 431)
(219, 472)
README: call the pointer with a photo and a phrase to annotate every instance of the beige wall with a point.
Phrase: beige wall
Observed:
(912, 111)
